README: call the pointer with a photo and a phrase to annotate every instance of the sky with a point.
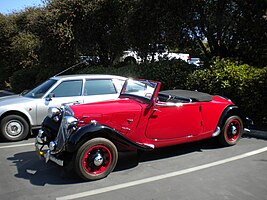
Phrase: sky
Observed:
(7, 6)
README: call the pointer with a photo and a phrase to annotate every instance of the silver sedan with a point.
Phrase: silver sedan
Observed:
(19, 114)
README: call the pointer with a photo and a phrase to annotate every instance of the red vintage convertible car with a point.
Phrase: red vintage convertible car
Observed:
(89, 136)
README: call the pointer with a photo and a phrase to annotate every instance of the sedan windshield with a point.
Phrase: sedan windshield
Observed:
(40, 90)
(140, 88)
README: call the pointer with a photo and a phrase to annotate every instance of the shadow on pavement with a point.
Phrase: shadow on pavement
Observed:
(39, 173)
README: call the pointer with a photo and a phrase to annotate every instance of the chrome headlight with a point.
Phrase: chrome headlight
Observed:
(54, 113)
(69, 122)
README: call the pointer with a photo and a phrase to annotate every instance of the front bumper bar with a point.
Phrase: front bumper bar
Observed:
(46, 154)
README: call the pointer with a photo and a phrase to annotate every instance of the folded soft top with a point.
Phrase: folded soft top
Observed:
(194, 95)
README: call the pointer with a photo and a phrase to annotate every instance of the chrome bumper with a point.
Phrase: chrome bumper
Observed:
(46, 154)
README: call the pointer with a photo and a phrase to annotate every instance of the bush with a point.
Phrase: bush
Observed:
(244, 84)
(173, 74)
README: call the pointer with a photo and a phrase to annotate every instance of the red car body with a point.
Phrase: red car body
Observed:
(143, 118)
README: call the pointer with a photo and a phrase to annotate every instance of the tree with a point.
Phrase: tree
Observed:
(6, 33)
(90, 27)
(232, 28)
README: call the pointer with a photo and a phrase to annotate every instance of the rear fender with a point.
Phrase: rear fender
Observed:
(230, 111)
(90, 131)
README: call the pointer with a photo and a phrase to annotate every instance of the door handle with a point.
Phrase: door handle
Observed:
(156, 110)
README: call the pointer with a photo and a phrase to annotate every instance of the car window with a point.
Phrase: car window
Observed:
(68, 89)
(98, 87)
(40, 90)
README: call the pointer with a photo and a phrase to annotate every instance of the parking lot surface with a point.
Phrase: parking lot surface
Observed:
(199, 170)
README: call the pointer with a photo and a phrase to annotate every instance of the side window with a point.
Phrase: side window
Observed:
(68, 89)
(98, 87)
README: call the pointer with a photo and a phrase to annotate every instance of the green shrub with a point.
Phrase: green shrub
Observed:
(244, 84)
(173, 74)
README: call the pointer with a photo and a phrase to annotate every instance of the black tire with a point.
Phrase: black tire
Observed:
(129, 61)
(95, 159)
(14, 128)
(231, 131)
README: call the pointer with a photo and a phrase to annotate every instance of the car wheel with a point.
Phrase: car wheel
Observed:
(14, 128)
(232, 131)
(96, 159)
(129, 61)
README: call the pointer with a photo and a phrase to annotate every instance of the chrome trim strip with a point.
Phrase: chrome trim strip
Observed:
(217, 132)
(169, 104)
(246, 130)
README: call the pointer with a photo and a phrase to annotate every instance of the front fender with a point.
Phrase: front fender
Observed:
(85, 133)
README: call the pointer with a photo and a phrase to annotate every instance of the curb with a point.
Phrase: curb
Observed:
(256, 134)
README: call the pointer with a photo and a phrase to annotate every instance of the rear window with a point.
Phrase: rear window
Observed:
(98, 87)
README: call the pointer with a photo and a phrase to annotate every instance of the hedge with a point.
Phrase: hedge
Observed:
(243, 84)
(173, 74)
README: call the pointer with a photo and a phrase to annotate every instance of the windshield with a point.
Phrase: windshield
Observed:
(40, 90)
(139, 88)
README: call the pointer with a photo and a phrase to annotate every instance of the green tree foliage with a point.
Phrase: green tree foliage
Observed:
(90, 27)
(232, 28)
(6, 33)
(156, 22)
(173, 74)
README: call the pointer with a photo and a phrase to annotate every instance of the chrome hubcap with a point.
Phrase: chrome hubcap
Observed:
(98, 160)
(14, 128)
(233, 130)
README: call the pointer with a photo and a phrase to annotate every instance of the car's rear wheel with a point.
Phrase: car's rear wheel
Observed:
(14, 128)
(232, 131)
(96, 159)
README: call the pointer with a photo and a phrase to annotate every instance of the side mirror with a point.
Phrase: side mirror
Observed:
(24, 92)
(50, 96)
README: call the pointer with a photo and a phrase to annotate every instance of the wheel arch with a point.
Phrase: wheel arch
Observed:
(130, 58)
(19, 113)
(231, 111)
(88, 132)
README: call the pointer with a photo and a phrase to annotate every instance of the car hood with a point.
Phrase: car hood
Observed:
(13, 100)
(106, 107)
(119, 114)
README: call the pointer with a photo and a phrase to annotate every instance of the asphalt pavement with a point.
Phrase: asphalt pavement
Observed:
(199, 170)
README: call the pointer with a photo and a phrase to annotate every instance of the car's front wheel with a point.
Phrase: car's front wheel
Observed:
(232, 131)
(96, 159)
(14, 128)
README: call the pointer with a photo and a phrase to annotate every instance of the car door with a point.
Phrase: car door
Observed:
(169, 121)
(65, 92)
(101, 89)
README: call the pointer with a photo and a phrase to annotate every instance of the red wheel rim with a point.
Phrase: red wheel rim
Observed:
(233, 130)
(97, 159)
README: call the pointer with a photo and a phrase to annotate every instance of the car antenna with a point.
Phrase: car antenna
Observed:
(73, 66)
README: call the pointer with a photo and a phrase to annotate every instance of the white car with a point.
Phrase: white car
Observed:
(132, 57)
(195, 61)
(19, 114)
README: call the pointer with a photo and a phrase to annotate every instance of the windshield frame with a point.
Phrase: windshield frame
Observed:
(154, 84)
(36, 93)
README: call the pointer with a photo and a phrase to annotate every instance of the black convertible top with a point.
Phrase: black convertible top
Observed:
(194, 95)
